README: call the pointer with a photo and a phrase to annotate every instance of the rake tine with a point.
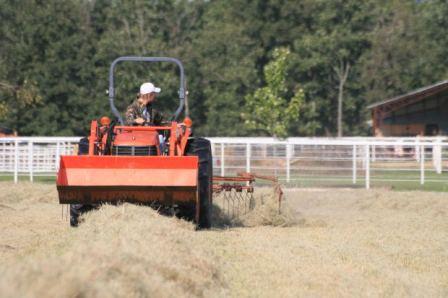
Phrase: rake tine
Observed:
(239, 190)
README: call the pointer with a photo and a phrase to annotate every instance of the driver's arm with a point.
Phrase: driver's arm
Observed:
(131, 115)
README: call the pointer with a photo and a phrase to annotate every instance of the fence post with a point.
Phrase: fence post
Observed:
(354, 164)
(30, 160)
(58, 153)
(417, 149)
(367, 163)
(437, 155)
(222, 159)
(16, 161)
(422, 164)
(288, 161)
(248, 157)
(373, 153)
(3, 156)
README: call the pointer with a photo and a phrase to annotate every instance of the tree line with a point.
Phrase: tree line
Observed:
(341, 56)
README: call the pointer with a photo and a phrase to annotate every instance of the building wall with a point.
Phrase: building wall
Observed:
(421, 118)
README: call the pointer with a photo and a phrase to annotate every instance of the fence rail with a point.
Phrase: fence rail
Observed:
(351, 162)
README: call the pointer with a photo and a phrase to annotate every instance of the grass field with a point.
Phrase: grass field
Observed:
(391, 179)
(327, 242)
(377, 181)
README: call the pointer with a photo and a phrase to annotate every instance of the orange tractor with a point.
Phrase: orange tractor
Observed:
(154, 165)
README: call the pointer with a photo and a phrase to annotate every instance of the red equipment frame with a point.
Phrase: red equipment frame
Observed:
(168, 177)
(99, 178)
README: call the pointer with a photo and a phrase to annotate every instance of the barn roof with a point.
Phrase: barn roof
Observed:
(416, 94)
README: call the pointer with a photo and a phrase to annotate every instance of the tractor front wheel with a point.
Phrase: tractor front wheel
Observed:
(76, 210)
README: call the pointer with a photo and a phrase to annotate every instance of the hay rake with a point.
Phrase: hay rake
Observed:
(235, 194)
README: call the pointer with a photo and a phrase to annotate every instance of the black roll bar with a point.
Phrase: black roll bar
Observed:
(146, 59)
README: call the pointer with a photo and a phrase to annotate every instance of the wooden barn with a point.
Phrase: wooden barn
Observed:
(422, 112)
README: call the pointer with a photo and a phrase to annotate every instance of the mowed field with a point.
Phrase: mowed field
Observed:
(326, 242)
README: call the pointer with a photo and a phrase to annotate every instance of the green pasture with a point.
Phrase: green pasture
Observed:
(379, 178)
(395, 180)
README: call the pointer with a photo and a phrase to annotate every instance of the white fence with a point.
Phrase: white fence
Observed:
(306, 162)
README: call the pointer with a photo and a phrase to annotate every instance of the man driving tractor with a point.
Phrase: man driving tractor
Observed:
(154, 164)
(141, 112)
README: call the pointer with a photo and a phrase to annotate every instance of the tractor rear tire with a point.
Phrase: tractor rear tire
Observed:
(201, 148)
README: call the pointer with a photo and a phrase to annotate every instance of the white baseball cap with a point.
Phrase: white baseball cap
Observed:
(146, 88)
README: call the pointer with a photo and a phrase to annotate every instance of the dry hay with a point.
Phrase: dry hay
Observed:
(263, 209)
(118, 251)
(268, 211)
(324, 243)
(136, 252)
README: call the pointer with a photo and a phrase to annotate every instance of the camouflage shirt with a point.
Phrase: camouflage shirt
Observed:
(151, 116)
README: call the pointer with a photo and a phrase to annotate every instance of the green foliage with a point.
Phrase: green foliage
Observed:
(267, 110)
(396, 54)
(45, 47)
(337, 37)
(24, 96)
(225, 55)
(55, 57)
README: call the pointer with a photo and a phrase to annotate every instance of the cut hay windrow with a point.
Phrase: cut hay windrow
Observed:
(324, 242)
(117, 251)
(124, 250)
(265, 210)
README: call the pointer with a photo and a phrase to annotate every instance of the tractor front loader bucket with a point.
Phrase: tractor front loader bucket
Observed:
(135, 179)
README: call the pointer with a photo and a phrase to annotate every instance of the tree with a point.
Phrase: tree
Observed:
(326, 59)
(342, 72)
(26, 95)
(55, 57)
(408, 48)
(267, 110)
(226, 55)
(46, 50)
(145, 28)
(433, 26)
(393, 64)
